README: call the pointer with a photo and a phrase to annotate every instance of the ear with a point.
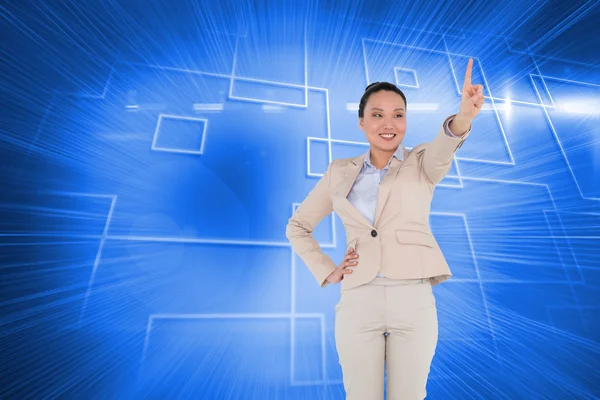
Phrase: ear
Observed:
(360, 123)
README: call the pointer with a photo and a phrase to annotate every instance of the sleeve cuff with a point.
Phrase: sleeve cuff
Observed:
(449, 132)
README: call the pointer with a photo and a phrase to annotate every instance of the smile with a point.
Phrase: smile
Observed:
(387, 135)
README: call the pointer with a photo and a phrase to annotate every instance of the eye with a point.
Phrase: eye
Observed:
(399, 115)
(375, 115)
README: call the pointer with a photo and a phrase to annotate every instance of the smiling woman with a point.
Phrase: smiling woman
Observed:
(382, 117)
(387, 315)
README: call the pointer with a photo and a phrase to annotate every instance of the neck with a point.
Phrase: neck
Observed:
(380, 158)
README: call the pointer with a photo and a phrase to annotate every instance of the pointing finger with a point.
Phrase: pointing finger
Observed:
(467, 83)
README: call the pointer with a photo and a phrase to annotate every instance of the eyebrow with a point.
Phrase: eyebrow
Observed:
(395, 109)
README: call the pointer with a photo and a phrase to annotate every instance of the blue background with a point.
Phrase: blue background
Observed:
(151, 153)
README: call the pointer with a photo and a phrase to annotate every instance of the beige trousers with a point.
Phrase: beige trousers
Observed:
(391, 323)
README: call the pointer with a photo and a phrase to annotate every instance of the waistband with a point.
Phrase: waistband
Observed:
(384, 281)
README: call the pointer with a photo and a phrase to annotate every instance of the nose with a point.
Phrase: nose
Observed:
(388, 124)
(388, 121)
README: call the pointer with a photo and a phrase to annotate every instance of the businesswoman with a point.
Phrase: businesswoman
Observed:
(386, 316)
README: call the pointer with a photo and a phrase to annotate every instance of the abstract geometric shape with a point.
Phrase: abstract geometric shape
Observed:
(257, 91)
(179, 134)
(406, 77)
(243, 334)
(573, 123)
(541, 89)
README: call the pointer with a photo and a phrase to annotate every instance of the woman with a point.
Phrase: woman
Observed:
(387, 314)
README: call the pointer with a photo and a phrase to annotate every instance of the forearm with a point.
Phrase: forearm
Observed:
(440, 151)
(308, 249)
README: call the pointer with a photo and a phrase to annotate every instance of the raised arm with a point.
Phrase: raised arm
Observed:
(470, 105)
(439, 152)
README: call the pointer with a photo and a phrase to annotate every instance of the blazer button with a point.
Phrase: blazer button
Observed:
(374, 233)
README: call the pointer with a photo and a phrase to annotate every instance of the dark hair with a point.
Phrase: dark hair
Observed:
(374, 88)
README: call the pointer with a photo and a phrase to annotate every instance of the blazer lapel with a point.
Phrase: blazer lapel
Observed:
(351, 172)
(386, 184)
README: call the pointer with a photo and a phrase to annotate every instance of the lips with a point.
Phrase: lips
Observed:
(387, 136)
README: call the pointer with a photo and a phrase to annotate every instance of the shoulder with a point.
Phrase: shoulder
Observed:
(338, 165)
(341, 163)
(418, 149)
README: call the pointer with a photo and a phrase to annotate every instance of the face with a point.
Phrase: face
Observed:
(384, 120)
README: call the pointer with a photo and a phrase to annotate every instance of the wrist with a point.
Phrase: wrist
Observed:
(460, 124)
(462, 119)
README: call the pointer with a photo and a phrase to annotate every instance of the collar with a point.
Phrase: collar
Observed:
(399, 154)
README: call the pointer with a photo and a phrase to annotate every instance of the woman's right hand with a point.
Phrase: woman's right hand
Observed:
(350, 260)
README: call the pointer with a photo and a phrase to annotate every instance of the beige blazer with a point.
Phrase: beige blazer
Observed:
(399, 243)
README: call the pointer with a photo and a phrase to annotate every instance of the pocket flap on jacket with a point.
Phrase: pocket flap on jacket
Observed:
(416, 237)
